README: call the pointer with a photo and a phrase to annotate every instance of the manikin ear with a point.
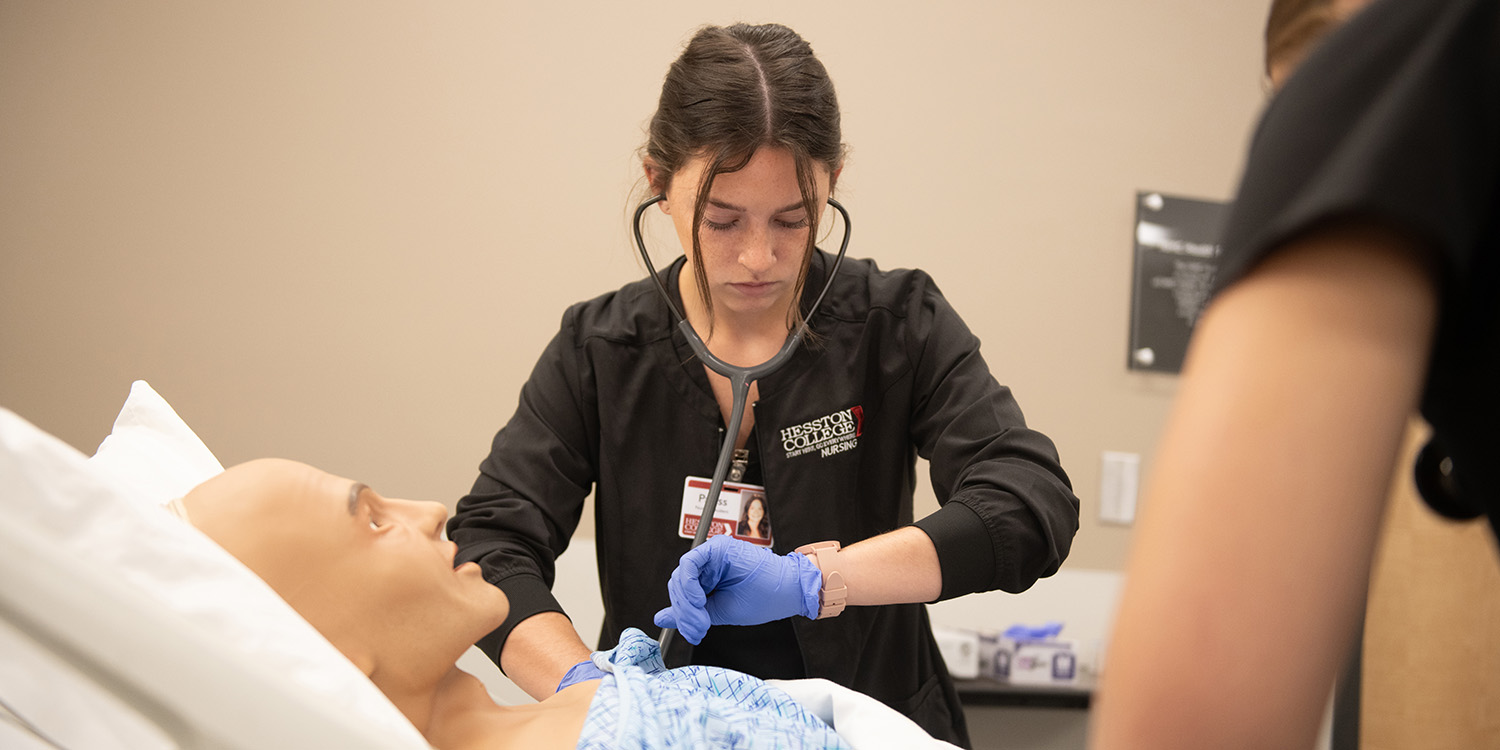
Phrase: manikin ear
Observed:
(656, 178)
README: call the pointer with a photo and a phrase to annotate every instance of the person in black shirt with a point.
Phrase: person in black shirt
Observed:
(746, 148)
(1358, 283)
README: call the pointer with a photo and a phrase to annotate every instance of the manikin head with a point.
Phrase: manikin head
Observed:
(373, 574)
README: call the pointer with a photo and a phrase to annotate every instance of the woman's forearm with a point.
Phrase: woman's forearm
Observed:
(539, 651)
(898, 567)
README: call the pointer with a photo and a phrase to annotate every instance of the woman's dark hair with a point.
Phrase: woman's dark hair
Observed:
(736, 89)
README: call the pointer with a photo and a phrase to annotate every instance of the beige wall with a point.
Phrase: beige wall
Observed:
(342, 231)
(1431, 669)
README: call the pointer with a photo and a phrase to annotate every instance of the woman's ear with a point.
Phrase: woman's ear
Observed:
(656, 177)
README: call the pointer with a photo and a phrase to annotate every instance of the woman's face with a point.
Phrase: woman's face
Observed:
(373, 574)
(754, 232)
(754, 512)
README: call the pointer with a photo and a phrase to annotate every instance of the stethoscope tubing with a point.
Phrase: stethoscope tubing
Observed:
(740, 378)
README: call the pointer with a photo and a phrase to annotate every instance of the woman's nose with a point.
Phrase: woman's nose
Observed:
(759, 252)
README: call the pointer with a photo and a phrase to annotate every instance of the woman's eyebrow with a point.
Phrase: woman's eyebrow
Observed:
(355, 490)
(731, 207)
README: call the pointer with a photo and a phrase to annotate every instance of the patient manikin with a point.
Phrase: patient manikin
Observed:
(376, 578)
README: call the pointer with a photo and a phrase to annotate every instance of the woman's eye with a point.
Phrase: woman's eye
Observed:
(717, 226)
(374, 524)
(798, 224)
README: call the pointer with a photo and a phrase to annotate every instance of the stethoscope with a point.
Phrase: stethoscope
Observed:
(740, 378)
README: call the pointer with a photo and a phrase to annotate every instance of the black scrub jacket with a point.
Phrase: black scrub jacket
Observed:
(618, 405)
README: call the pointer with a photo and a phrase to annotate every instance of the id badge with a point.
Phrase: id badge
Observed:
(741, 512)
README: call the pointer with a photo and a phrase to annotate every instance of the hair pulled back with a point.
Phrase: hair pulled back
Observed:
(1294, 26)
(734, 90)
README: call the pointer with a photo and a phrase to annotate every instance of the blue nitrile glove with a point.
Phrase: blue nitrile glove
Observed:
(581, 672)
(725, 581)
(1038, 633)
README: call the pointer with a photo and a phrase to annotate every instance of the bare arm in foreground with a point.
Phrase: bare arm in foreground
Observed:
(1249, 566)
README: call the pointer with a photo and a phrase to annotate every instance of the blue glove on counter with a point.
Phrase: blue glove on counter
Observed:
(581, 672)
(725, 581)
(1028, 633)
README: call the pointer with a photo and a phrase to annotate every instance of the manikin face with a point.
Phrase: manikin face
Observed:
(372, 573)
(754, 232)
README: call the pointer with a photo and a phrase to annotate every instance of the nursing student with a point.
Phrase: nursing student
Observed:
(1358, 283)
(745, 146)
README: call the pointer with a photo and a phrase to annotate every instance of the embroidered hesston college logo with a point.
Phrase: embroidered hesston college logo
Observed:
(826, 435)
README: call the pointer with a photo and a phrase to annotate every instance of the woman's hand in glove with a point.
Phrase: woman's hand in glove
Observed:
(725, 581)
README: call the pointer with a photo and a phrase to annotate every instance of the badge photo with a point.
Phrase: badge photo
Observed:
(742, 511)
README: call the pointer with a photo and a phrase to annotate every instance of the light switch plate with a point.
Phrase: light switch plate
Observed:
(1119, 481)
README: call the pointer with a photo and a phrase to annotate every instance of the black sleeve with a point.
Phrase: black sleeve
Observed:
(1392, 120)
(1008, 512)
(529, 496)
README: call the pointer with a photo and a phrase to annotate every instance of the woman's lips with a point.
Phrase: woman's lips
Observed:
(755, 288)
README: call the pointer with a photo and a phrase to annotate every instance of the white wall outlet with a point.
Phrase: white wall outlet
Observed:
(1119, 481)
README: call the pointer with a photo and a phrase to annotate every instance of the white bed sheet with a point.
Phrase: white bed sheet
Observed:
(862, 721)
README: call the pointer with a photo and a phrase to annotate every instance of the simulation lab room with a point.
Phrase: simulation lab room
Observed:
(367, 370)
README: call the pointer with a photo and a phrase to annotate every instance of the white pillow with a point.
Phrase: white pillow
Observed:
(104, 512)
(151, 453)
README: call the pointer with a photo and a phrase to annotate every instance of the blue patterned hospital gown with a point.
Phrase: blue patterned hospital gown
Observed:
(642, 705)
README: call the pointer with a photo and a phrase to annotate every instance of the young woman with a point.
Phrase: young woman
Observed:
(1357, 284)
(745, 148)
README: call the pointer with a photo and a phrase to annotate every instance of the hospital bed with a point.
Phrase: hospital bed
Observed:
(122, 627)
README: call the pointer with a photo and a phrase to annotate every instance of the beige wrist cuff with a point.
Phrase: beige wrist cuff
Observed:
(834, 594)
